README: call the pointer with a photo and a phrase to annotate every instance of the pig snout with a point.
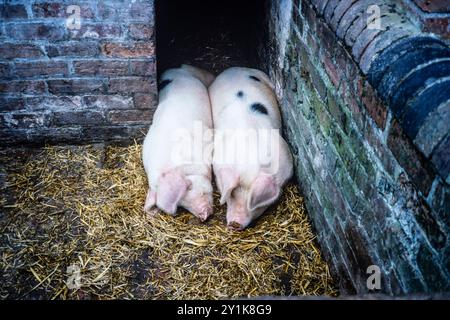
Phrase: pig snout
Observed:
(237, 217)
(235, 226)
(205, 213)
(202, 209)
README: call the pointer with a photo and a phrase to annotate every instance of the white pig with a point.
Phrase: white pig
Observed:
(251, 160)
(179, 174)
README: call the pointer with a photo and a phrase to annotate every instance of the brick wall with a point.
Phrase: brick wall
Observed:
(62, 82)
(367, 115)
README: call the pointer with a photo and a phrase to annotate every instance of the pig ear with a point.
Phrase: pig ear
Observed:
(172, 187)
(263, 192)
(227, 180)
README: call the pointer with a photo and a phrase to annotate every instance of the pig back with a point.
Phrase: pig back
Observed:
(245, 95)
(182, 116)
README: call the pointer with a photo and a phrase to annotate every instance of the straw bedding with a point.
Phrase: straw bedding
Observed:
(73, 215)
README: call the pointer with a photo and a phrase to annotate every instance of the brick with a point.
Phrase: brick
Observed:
(41, 68)
(336, 197)
(350, 15)
(409, 275)
(73, 49)
(310, 16)
(108, 102)
(15, 50)
(52, 103)
(391, 24)
(332, 71)
(434, 129)
(360, 19)
(104, 133)
(23, 120)
(336, 111)
(346, 283)
(433, 6)
(345, 64)
(107, 10)
(329, 10)
(136, 132)
(11, 104)
(440, 203)
(441, 157)
(357, 20)
(141, 10)
(434, 277)
(36, 31)
(416, 206)
(145, 101)
(75, 86)
(355, 140)
(130, 116)
(362, 258)
(44, 136)
(395, 283)
(413, 162)
(26, 87)
(39, 136)
(380, 149)
(96, 31)
(339, 12)
(9, 137)
(415, 113)
(297, 20)
(128, 50)
(373, 104)
(405, 64)
(131, 85)
(84, 118)
(143, 68)
(328, 37)
(437, 25)
(59, 10)
(417, 80)
(13, 11)
(4, 70)
(353, 104)
(320, 5)
(363, 40)
(396, 50)
(100, 67)
(379, 44)
(140, 31)
(319, 84)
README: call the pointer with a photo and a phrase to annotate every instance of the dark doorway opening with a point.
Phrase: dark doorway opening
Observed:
(212, 35)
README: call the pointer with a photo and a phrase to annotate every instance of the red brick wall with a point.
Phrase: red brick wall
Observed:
(92, 83)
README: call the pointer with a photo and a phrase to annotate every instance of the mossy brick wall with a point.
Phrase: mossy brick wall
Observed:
(367, 115)
(60, 84)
